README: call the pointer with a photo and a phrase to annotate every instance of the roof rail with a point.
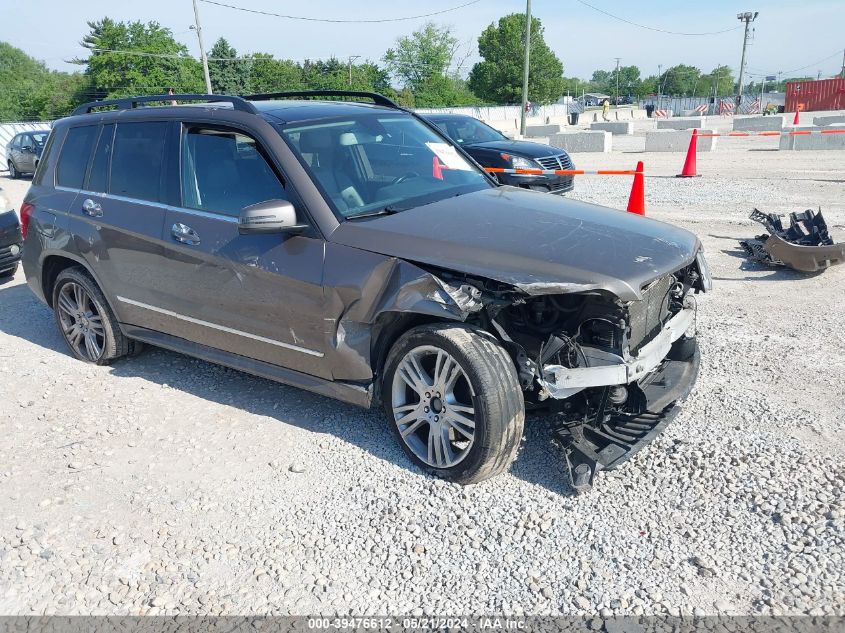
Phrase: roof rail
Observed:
(128, 103)
(376, 97)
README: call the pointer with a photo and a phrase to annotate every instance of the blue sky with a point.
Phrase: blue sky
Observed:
(786, 36)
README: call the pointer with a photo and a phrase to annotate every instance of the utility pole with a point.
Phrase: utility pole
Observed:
(352, 58)
(617, 80)
(202, 49)
(748, 17)
(525, 69)
(659, 72)
(842, 74)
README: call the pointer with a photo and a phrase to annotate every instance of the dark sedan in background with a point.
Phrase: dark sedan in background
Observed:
(23, 152)
(10, 239)
(491, 148)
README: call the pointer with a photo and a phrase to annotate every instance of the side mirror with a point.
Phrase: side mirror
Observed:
(28, 148)
(271, 216)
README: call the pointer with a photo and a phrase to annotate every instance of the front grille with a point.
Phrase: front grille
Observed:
(6, 257)
(561, 161)
(650, 313)
(562, 186)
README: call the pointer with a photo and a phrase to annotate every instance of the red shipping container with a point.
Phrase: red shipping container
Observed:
(823, 94)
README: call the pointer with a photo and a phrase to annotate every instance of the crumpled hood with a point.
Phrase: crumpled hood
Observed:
(540, 243)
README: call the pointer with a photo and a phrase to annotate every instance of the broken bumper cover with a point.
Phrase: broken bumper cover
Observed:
(562, 382)
(806, 259)
(804, 245)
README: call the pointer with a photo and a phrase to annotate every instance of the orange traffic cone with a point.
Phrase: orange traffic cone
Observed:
(689, 164)
(436, 170)
(795, 120)
(636, 203)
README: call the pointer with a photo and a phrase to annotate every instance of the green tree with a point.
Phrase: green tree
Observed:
(720, 78)
(498, 79)
(130, 58)
(680, 80)
(267, 74)
(422, 63)
(29, 91)
(228, 75)
(600, 81)
(427, 52)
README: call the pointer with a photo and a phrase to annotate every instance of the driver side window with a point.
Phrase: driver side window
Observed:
(223, 171)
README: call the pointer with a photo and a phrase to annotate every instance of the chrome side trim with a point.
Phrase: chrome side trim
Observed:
(221, 328)
(158, 205)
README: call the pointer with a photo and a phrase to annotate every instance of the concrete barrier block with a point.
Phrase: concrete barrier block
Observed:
(681, 124)
(830, 119)
(815, 141)
(639, 114)
(589, 141)
(614, 127)
(677, 141)
(542, 130)
(758, 123)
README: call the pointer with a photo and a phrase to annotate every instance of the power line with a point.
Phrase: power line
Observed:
(418, 64)
(337, 21)
(642, 26)
(786, 72)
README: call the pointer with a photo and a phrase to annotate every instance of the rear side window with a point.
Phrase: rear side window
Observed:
(98, 179)
(38, 178)
(73, 161)
(137, 157)
(16, 143)
(224, 171)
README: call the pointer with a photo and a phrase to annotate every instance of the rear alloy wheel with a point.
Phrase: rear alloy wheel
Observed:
(454, 401)
(85, 320)
(13, 172)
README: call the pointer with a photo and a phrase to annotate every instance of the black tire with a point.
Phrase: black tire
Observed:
(9, 272)
(114, 343)
(499, 408)
(14, 174)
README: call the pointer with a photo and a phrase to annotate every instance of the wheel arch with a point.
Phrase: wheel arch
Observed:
(387, 329)
(52, 264)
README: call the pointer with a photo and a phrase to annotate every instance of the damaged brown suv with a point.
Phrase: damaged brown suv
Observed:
(351, 249)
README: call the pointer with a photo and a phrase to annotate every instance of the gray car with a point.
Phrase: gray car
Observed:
(24, 151)
(351, 249)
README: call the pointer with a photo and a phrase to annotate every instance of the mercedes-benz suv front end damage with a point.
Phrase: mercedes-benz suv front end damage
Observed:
(612, 371)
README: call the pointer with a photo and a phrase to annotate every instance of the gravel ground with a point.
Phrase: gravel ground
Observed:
(164, 484)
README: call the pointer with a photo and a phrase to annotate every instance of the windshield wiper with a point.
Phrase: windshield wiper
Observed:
(388, 210)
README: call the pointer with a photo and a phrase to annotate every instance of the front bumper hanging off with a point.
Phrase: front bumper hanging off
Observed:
(610, 443)
(665, 370)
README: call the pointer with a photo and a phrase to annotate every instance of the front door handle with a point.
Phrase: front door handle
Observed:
(89, 207)
(185, 234)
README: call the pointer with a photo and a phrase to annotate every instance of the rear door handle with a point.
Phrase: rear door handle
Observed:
(185, 234)
(89, 207)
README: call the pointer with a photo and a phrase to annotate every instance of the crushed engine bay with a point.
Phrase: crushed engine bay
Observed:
(610, 371)
(805, 245)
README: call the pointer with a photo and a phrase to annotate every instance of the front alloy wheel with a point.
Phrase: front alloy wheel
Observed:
(432, 407)
(453, 399)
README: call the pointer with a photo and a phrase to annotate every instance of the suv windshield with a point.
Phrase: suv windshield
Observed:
(383, 162)
(466, 130)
